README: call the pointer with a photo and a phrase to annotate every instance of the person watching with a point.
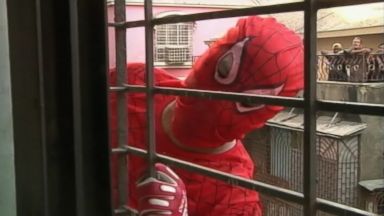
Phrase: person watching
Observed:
(337, 48)
(335, 63)
(357, 47)
(357, 61)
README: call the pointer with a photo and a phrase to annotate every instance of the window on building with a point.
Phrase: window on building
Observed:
(173, 44)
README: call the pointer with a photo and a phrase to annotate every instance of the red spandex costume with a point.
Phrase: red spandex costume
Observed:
(257, 56)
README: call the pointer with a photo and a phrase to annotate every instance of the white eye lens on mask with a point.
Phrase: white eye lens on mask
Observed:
(246, 107)
(227, 67)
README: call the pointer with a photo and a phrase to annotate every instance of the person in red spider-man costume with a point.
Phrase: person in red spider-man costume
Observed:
(257, 56)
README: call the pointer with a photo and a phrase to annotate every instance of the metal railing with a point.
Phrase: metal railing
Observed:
(351, 68)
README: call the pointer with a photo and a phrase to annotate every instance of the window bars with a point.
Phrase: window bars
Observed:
(308, 198)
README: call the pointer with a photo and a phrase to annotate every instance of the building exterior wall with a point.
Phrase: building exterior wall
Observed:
(369, 159)
(204, 30)
(208, 29)
(372, 138)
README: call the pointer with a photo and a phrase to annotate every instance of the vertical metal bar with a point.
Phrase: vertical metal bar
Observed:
(77, 106)
(43, 110)
(338, 171)
(25, 111)
(150, 84)
(358, 165)
(88, 62)
(310, 16)
(121, 65)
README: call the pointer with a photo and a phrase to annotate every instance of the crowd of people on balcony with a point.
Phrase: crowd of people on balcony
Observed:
(354, 64)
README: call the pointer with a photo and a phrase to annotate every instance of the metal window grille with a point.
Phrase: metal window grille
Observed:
(278, 151)
(351, 68)
(307, 199)
(337, 159)
(173, 43)
(380, 203)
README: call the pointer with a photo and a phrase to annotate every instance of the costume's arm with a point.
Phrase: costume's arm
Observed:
(325, 52)
(163, 194)
(358, 51)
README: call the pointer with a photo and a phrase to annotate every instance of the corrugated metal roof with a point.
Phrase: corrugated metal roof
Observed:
(351, 17)
(337, 18)
(332, 126)
(372, 185)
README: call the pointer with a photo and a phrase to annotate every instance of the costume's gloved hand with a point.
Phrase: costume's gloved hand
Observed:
(163, 194)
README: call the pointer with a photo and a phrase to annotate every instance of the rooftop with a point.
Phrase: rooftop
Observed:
(372, 185)
(332, 19)
(331, 126)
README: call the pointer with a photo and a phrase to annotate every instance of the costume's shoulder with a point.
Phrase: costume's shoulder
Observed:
(135, 75)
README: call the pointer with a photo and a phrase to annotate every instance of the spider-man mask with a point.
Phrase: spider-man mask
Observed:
(258, 56)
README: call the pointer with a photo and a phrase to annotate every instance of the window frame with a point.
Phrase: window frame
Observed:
(58, 63)
(165, 61)
(189, 45)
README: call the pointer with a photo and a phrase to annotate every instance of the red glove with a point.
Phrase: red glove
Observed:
(163, 195)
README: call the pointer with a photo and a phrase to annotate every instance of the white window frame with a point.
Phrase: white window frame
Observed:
(179, 49)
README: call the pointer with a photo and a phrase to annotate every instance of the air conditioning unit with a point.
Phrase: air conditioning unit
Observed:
(177, 55)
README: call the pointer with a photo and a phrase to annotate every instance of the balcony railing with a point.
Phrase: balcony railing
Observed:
(351, 68)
